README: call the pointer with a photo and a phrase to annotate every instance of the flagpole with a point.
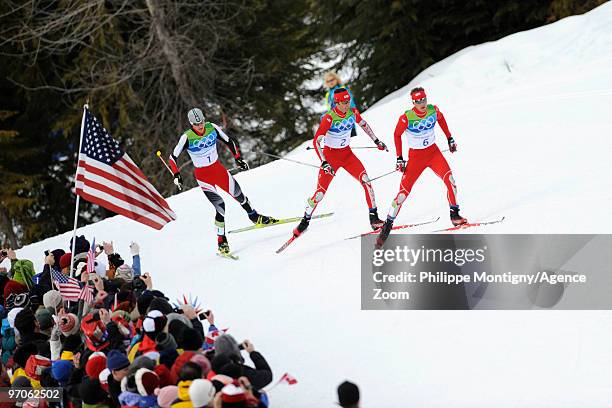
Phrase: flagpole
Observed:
(76, 209)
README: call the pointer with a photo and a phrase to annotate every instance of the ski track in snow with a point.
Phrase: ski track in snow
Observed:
(530, 114)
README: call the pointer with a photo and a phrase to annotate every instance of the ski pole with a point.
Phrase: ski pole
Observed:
(383, 175)
(291, 160)
(168, 167)
(358, 147)
(163, 161)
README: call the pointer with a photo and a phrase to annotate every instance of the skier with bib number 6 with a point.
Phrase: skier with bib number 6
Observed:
(201, 143)
(417, 125)
(335, 130)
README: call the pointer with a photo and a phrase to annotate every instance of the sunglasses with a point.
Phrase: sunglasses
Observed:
(423, 100)
(343, 103)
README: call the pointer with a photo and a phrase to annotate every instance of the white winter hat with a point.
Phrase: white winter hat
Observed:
(201, 392)
(125, 272)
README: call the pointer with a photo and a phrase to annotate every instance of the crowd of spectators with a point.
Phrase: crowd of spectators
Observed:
(125, 345)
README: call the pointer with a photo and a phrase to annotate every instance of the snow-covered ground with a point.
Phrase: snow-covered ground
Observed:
(530, 115)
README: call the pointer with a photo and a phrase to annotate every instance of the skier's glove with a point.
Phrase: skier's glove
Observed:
(400, 164)
(452, 146)
(381, 145)
(242, 164)
(178, 180)
(327, 168)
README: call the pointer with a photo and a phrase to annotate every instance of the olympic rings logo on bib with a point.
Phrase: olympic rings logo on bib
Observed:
(344, 124)
(203, 143)
(425, 124)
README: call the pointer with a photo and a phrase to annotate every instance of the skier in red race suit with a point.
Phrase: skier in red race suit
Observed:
(418, 125)
(201, 143)
(335, 131)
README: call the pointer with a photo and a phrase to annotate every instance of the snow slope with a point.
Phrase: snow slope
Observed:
(529, 114)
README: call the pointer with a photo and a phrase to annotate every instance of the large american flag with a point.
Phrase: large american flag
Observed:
(69, 287)
(108, 177)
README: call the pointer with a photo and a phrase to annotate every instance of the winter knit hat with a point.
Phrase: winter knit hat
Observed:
(233, 393)
(161, 304)
(154, 323)
(146, 381)
(45, 319)
(15, 287)
(23, 271)
(100, 268)
(57, 255)
(116, 360)
(180, 317)
(192, 340)
(141, 362)
(165, 341)
(95, 364)
(201, 392)
(52, 299)
(348, 394)
(25, 322)
(202, 361)
(125, 272)
(65, 260)
(81, 245)
(61, 370)
(68, 324)
(35, 365)
(167, 395)
(163, 373)
(226, 344)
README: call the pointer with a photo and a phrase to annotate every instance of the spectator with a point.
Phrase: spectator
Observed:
(348, 395)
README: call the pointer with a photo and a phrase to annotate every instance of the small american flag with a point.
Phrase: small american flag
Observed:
(86, 294)
(91, 257)
(69, 287)
(106, 176)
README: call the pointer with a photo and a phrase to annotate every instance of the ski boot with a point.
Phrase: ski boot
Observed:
(455, 218)
(224, 248)
(384, 233)
(375, 222)
(297, 231)
(261, 219)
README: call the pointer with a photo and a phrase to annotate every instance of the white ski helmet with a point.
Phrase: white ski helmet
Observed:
(195, 116)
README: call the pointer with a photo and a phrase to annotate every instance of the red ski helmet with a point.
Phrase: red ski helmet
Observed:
(342, 95)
